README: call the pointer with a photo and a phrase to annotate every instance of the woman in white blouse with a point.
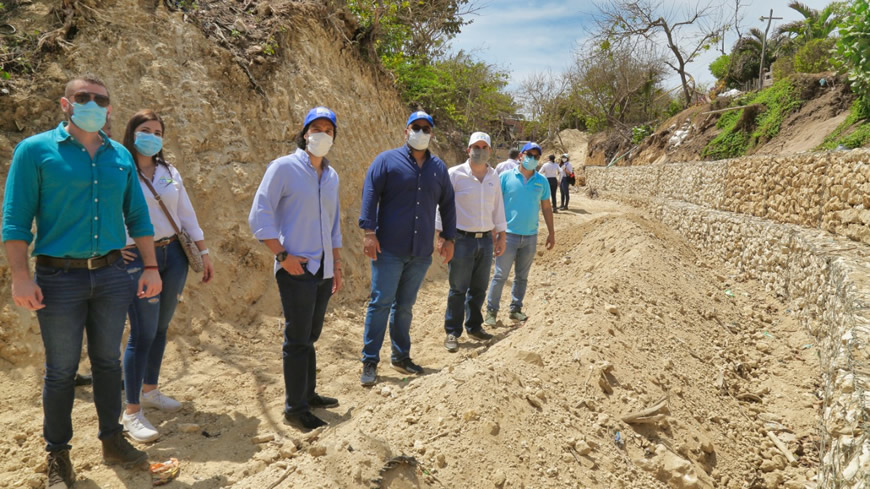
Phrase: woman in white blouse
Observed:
(149, 318)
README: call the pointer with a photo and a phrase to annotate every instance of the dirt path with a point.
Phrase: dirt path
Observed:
(623, 313)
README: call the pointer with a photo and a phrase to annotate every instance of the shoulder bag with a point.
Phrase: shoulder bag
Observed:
(187, 243)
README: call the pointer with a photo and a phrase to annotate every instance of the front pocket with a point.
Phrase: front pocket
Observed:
(47, 272)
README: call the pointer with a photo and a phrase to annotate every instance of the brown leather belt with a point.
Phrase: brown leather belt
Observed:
(94, 263)
(165, 241)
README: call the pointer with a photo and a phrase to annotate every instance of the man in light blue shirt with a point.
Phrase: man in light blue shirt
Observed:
(296, 215)
(81, 188)
(525, 192)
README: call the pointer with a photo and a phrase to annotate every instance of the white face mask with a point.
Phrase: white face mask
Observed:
(318, 143)
(418, 140)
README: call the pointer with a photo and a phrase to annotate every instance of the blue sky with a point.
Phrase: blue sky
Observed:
(528, 36)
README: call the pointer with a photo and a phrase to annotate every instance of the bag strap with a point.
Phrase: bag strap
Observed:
(160, 201)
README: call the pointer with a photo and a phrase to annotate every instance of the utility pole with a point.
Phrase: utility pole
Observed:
(770, 18)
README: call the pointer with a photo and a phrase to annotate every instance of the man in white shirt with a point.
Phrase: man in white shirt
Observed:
(566, 179)
(550, 170)
(480, 234)
(510, 163)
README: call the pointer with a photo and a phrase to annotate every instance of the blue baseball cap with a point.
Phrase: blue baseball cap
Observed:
(320, 113)
(531, 145)
(416, 116)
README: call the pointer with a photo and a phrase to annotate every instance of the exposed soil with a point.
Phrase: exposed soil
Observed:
(623, 313)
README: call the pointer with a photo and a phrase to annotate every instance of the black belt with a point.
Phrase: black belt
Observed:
(94, 263)
(484, 234)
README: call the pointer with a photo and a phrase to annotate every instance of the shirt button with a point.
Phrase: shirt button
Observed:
(97, 218)
(415, 232)
(418, 203)
(93, 164)
(96, 236)
(83, 149)
(96, 200)
(95, 182)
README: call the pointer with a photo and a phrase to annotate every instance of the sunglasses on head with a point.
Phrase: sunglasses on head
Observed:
(85, 97)
(425, 129)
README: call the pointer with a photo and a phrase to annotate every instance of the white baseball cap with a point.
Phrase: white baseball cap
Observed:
(479, 136)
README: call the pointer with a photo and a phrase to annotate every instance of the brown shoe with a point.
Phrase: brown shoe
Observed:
(60, 470)
(117, 450)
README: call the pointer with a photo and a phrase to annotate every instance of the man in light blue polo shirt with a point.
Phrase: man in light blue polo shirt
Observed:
(525, 192)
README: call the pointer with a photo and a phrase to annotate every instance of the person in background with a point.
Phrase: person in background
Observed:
(525, 192)
(402, 188)
(566, 179)
(296, 214)
(150, 318)
(508, 164)
(480, 234)
(81, 188)
(550, 170)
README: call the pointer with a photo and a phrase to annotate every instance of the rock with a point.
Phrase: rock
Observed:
(441, 461)
(530, 357)
(492, 428)
(385, 391)
(470, 415)
(190, 428)
(612, 309)
(534, 401)
(263, 438)
(763, 347)
(269, 455)
(317, 451)
(582, 448)
(419, 447)
(772, 480)
(499, 478)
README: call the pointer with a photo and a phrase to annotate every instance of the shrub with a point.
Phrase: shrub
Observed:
(782, 67)
(852, 49)
(814, 56)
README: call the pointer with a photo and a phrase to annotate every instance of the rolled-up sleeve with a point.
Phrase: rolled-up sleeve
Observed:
(22, 196)
(498, 217)
(262, 219)
(371, 194)
(186, 214)
(336, 221)
(447, 208)
(136, 216)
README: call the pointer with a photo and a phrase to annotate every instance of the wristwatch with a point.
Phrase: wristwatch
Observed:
(280, 257)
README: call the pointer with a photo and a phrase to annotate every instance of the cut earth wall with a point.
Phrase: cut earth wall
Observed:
(800, 225)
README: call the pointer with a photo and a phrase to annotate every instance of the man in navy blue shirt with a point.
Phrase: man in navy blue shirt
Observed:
(402, 189)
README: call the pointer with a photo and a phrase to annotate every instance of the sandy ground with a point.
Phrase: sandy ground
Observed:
(623, 314)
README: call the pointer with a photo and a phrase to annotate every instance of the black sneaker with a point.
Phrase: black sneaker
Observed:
(369, 374)
(319, 401)
(304, 421)
(480, 335)
(60, 470)
(117, 450)
(406, 366)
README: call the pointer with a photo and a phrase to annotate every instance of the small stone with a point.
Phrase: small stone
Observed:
(499, 478)
(470, 415)
(492, 428)
(441, 460)
(190, 428)
(534, 401)
(612, 309)
(385, 391)
(419, 447)
(582, 448)
(317, 451)
(263, 438)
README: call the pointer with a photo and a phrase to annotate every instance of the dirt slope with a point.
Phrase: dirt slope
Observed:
(623, 314)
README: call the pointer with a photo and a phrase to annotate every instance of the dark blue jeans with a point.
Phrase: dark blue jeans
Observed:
(149, 319)
(78, 300)
(564, 191)
(554, 183)
(304, 299)
(395, 283)
(469, 276)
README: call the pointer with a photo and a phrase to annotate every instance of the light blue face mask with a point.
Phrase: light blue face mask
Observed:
(148, 144)
(90, 117)
(530, 162)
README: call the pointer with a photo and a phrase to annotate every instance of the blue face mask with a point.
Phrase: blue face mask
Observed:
(530, 162)
(90, 117)
(148, 144)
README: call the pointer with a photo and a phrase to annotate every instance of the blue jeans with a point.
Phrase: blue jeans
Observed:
(554, 183)
(304, 299)
(519, 249)
(395, 282)
(149, 319)
(469, 274)
(564, 191)
(78, 300)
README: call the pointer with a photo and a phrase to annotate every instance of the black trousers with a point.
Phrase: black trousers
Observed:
(553, 184)
(304, 299)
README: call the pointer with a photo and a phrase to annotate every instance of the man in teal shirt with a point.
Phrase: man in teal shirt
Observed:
(82, 188)
(525, 191)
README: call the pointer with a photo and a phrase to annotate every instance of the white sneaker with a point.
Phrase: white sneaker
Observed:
(138, 427)
(156, 399)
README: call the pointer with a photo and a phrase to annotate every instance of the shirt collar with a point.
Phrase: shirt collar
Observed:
(411, 154)
(61, 134)
(305, 159)
(465, 168)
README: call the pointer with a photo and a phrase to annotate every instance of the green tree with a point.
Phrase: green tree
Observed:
(816, 24)
(853, 51)
(814, 56)
(719, 67)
